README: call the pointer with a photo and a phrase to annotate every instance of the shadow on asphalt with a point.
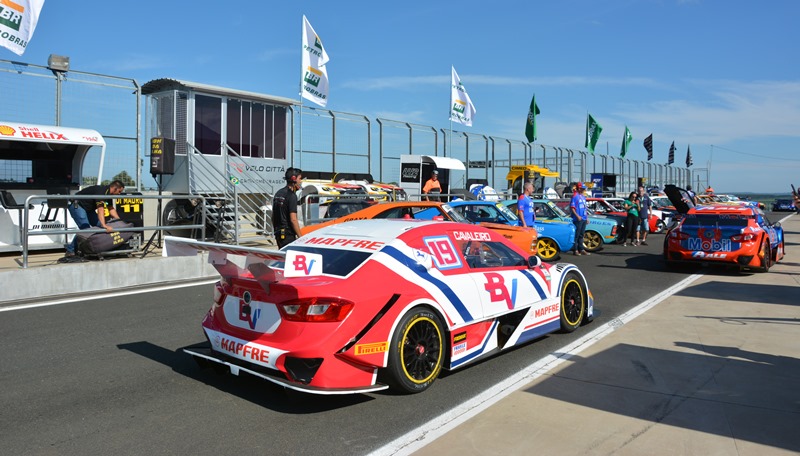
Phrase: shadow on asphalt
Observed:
(717, 390)
(756, 293)
(244, 386)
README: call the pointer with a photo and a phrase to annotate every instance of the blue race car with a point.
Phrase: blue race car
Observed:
(599, 230)
(781, 205)
(554, 236)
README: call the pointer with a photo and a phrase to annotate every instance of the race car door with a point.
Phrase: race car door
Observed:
(497, 271)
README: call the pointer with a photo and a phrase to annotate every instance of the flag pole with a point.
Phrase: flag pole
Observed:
(533, 144)
(300, 92)
(300, 149)
(450, 114)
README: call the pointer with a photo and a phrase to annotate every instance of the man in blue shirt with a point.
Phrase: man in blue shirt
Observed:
(577, 208)
(525, 206)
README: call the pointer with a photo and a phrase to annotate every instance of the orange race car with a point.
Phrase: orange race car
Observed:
(525, 238)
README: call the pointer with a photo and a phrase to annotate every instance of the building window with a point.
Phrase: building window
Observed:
(208, 124)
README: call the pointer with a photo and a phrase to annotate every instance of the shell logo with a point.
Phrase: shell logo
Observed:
(5, 130)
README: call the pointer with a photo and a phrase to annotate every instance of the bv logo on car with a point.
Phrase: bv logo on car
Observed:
(246, 313)
(496, 287)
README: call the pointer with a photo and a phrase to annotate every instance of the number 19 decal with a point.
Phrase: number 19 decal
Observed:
(444, 252)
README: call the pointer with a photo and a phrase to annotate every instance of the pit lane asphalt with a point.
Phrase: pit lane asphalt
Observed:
(103, 376)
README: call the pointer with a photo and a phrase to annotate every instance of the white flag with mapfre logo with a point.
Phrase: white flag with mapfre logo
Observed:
(314, 82)
(461, 108)
(18, 20)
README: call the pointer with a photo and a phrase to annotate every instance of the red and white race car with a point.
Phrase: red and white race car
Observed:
(360, 306)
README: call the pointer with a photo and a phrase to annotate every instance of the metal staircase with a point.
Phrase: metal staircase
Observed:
(238, 202)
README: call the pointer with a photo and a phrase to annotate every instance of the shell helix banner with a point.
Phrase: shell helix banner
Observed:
(18, 20)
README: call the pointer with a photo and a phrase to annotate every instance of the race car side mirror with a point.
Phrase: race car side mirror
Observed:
(534, 262)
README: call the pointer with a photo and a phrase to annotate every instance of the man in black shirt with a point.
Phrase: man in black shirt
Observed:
(89, 213)
(284, 209)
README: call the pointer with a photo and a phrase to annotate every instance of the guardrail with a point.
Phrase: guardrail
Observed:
(159, 228)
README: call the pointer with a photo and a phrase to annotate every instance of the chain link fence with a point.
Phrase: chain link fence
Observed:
(109, 104)
(322, 140)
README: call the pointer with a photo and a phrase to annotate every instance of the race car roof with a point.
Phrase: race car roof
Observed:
(379, 230)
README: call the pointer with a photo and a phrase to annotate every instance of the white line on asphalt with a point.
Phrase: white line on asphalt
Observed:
(112, 294)
(437, 427)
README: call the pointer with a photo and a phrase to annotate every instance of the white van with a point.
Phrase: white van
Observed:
(41, 160)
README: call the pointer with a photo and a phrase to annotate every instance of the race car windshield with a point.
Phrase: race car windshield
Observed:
(454, 214)
(336, 262)
(557, 210)
(715, 220)
(507, 212)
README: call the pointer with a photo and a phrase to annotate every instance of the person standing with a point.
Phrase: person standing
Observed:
(89, 213)
(577, 207)
(284, 209)
(631, 205)
(525, 208)
(645, 203)
(432, 187)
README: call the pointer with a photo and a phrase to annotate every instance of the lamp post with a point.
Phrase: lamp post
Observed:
(59, 65)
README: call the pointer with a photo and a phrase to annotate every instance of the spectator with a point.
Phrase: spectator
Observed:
(645, 203)
(796, 199)
(631, 205)
(525, 206)
(577, 207)
(432, 187)
(89, 213)
(284, 209)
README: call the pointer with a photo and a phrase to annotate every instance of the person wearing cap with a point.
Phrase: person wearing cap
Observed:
(284, 209)
(577, 207)
(432, 187)
(709, 190)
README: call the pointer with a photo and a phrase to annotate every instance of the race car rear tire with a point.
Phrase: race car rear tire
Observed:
(592, 241)
(574, 301)
(417, 352)
(547, 249)
(766, 260)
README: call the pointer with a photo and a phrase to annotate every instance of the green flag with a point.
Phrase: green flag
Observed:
(626, 141)
(593, 130)
(530, 125)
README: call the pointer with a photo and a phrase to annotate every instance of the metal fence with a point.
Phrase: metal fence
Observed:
(321, 140)
(109, 104)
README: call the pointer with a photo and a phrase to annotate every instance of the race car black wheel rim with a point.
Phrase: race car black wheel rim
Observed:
(421, 351)
(573, 303)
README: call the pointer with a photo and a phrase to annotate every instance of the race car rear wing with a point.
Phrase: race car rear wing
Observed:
(260, 264)
(229, 260)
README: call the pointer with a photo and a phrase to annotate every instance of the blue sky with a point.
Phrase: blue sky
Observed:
(696, 72)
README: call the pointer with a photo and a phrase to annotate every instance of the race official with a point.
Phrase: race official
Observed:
(525, 208)
(284, 209)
